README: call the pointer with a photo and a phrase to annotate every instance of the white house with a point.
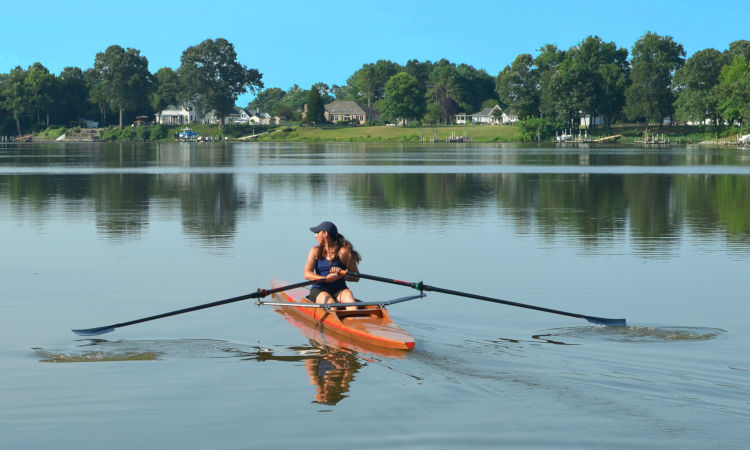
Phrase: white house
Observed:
(462, 118)
(490, 116)
(261, 118)
(586, 122)
(177, 115)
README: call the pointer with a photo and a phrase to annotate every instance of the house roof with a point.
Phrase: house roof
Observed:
(348, 107)
(486, 112)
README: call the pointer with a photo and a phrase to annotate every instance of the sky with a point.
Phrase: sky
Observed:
(305, 42)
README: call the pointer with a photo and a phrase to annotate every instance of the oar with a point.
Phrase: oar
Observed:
(426, 287)
(258, 294)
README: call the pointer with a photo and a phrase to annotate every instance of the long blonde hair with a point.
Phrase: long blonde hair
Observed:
(340, 242)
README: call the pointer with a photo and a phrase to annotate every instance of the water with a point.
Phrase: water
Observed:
(100, 234)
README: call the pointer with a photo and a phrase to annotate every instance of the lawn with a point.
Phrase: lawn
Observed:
(477, 133)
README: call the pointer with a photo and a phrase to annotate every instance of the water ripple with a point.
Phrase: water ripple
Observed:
(643, 334)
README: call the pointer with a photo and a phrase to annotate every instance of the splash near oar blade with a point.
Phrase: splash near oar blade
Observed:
(426, 287)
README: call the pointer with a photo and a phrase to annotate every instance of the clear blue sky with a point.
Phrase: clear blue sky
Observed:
(305, 42)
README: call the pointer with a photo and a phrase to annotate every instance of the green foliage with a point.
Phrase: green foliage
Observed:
(159, 133)
(403, 99)
(52, 133)
(167, 91)
(116, 134)
(211, 74)
(655, 59)
(123, 80)
(14, 97)
(696, 83)
(433, 114)
(315, 111)
(536, 128)
(516, 86)
(734, 91)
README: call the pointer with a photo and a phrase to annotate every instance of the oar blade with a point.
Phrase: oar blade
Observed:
(607, 322)
(94, 331)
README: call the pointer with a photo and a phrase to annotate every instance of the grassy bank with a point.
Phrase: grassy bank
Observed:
(501, 133)
(335, 133)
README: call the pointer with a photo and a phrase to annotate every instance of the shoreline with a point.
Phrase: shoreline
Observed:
(456, 134)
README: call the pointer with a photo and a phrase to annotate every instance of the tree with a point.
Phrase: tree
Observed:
(550, 95)
(315, 111)
(167, 89)
(593, 77)
(734, 91)
(403, 99)
(473, 87)
(517, 86)
(96, 94)
(655, 59)
(696, 85)
(72, 97)
(643, 96)
(123, 81)
(14, 95)
(211, 75)
(41, 87)
(362, 84)
(442, 88)
(369, 81)
(737, 48)
(267, 100)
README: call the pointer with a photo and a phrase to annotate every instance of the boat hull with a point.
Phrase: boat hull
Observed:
(370, 325)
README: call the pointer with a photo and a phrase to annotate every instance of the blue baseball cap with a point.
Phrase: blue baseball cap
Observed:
(327, 226)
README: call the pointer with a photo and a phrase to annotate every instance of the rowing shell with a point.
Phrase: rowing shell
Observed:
(370, 324)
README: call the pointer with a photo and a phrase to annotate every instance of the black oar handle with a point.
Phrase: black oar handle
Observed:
(260, 293)
(426, 287)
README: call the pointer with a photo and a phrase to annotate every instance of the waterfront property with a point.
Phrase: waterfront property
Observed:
(494, 116)
(345, 110)
(488, 116)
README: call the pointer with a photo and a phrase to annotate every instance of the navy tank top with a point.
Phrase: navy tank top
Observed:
(323, 268)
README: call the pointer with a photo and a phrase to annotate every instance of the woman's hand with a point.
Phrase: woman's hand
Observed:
(335, 274)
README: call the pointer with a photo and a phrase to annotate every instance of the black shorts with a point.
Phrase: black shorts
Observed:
(318, 289)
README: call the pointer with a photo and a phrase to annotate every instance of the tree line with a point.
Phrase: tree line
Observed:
(120, 83)
(556, 88)
(550, 91)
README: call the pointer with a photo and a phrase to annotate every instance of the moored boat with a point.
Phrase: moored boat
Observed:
(370, 324)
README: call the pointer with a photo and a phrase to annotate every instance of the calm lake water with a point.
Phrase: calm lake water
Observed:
(100, 234)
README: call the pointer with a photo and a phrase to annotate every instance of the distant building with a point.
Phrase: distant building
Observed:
(462, 118)
(261, 118)
(345, 110)
(488, 116)
(177, 115)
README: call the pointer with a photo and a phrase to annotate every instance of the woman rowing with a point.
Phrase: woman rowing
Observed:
(328, 262)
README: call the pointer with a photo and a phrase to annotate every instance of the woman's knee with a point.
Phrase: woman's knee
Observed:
(324, 297)
(346, 296)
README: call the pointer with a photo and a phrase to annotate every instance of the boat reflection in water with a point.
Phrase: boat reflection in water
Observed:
(332, 368)
(331, 373)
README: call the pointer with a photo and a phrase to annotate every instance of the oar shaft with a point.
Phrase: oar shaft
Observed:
(257, 294)
(426, 287)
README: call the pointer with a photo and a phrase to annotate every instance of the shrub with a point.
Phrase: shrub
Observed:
(536, 127)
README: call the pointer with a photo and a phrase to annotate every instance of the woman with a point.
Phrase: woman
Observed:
(326, 261)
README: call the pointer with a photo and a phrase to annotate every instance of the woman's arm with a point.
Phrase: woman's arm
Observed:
(310, 265)
(351, 265)
(310, 268)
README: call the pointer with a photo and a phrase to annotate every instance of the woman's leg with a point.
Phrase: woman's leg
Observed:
(324, 297)
(346, 296)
